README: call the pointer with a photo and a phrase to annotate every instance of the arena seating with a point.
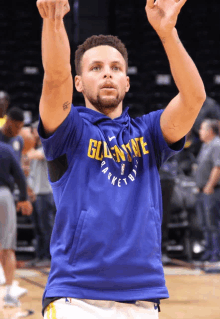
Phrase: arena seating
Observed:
(20, 52)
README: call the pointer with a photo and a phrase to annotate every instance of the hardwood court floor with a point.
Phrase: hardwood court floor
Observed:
(193, 295)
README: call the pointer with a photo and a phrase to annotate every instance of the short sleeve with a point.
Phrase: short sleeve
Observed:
(162, 150)
(66, 136)
(215, 154)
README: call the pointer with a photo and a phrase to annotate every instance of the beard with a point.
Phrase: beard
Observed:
(103, 104)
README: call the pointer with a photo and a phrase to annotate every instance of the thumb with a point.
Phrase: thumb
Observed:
(66, 9)
(181, 3)
(150, 4)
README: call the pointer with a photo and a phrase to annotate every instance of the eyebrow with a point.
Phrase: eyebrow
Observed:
(100, 62)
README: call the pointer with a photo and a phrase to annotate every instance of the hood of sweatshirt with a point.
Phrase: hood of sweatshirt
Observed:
(96, 117)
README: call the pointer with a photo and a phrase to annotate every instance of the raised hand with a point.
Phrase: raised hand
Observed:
(163, 14)
(54, 10)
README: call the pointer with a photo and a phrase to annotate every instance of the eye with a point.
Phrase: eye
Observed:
(116, 68)
(95, 68)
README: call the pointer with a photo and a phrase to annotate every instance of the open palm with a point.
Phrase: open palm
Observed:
(163, 14)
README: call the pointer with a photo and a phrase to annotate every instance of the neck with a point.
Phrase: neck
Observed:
(112, 113)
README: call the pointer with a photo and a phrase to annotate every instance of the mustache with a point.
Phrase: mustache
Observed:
(108, 85)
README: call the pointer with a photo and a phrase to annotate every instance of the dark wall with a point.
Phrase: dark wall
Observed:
(93, 18)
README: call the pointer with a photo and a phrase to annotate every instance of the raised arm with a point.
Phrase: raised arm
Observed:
(180, 114)
(57, 92)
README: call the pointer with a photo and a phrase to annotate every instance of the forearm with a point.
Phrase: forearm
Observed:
(214, 177)
(184, 71)
(55, 52)
(20, 180)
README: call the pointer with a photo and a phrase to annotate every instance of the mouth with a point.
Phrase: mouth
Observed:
(108, 86)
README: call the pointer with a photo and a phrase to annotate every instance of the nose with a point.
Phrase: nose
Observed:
(107, 73)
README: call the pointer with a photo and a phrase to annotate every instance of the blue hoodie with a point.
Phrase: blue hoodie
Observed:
(106, 240)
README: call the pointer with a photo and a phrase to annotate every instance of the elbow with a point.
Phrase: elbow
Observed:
(197, 101)
(200, 96)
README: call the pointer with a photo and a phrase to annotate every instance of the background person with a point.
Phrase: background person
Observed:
(209, 110)
(44, 207)
(9, 167)
(4, 103)
(207, 177)
(9, 132)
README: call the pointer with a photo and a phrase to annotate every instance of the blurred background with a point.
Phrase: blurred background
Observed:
(152, 87)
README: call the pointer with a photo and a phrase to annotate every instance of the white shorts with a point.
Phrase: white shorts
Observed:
(69, 308)
(8, 220)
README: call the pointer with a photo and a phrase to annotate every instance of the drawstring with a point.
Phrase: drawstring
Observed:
(126, 140)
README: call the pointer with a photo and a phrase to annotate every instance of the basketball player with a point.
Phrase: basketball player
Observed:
(103, 168)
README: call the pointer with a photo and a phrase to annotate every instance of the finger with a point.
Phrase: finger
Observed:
(51, 10)
(150, 3)
(59, 15)
(46, 8)
(41, 10)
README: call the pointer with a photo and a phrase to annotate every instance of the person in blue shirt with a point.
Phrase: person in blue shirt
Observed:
(9, 132)
(103, 168)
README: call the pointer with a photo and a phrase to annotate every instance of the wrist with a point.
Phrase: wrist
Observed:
(169, 36)
(51, 22)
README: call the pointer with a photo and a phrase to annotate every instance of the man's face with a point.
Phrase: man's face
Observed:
(204, 132)
(103, 81)
(13, 127)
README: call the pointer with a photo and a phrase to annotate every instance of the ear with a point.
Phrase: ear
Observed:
(128, 84)
(78, 83)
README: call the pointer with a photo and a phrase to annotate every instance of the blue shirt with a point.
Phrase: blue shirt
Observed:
(17, 143)
(10, 170)
(106, 240)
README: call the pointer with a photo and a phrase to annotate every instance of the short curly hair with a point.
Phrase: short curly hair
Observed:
(97, 40)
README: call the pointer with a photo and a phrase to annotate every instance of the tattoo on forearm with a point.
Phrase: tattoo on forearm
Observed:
(66, 105)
